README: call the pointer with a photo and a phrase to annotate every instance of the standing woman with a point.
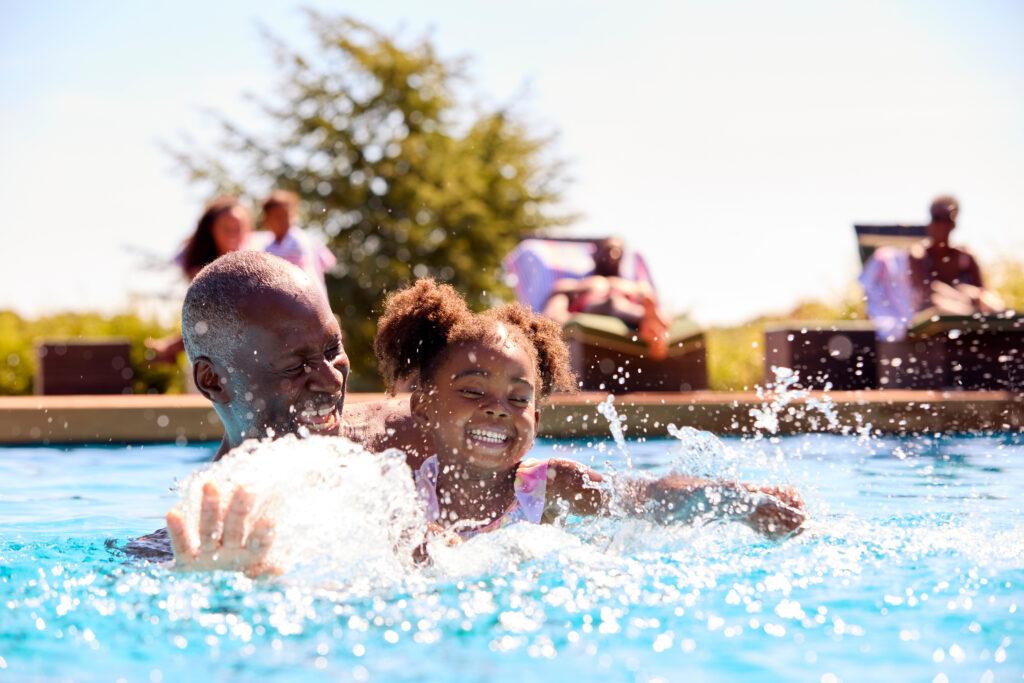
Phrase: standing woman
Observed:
(225, 226)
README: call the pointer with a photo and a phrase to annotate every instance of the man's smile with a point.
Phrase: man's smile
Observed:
(324, 419)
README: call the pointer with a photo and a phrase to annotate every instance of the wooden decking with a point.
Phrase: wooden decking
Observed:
(123, 419)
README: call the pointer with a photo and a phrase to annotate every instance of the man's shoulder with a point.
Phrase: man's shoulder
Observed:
(387, 423)
(375, 415)
(964, 254)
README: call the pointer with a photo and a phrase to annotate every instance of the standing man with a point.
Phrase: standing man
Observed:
(280, 210)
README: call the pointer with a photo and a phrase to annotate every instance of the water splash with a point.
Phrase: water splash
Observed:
(701, 454)
(326, 496)
(617, 427)
(934, 567)
(781, 396)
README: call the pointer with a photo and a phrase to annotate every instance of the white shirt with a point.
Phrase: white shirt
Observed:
(299, 248)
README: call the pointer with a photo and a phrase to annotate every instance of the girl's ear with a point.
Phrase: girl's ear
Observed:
(418, 405)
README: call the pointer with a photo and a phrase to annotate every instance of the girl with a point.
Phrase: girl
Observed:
(476, 382)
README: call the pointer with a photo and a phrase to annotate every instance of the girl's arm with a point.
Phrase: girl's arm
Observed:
(772, 511)
(573, 488)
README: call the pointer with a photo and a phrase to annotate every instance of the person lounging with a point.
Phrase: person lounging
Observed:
(932, 276)
(606, 292)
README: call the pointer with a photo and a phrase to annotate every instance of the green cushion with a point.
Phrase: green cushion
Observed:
(613, 329)
(928, 323)
(822, 325)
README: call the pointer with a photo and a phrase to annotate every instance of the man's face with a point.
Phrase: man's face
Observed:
(290, 367)
(608, 257)
(943, 223)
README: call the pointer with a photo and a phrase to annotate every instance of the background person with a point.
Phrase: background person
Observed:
(606, 292)
(946, 277)
(224, 227)
(292, 244)
(900, 283)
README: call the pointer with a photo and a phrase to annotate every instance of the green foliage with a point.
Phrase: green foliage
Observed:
(404, 179)
(1007, 278)
(19, 336)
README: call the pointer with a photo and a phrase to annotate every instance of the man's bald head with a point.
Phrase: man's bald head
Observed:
(213, 316)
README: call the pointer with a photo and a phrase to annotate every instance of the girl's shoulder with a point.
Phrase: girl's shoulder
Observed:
(531, 475)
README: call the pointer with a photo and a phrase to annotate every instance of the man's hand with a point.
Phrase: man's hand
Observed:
(228, 539)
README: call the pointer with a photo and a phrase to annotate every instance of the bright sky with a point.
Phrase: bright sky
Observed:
(734, 143)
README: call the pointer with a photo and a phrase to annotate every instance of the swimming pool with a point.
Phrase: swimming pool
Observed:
(912, 570)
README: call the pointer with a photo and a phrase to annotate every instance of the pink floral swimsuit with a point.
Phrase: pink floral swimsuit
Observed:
(530, 488)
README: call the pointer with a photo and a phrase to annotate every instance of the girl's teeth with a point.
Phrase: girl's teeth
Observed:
(492, 437)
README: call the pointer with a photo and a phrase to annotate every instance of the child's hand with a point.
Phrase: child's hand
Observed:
(228, 538)
(777, 512)
(450, 538)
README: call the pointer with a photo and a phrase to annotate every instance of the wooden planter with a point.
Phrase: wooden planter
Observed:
(84, 368)
(840, 354)
(956, 352)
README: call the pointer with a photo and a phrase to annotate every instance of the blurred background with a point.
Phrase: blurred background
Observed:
(733, 144)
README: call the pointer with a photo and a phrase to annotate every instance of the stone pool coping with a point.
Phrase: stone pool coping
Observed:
(132, 419)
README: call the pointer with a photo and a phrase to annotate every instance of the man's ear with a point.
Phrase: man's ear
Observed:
(209, 380)
(418, 406)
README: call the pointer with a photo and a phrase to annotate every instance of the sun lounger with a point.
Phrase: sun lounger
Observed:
(943, 351)
(956, 352)
(838, 354)
(871, 237)
(607, 356)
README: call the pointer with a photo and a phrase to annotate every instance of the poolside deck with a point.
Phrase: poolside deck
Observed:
(124, 419)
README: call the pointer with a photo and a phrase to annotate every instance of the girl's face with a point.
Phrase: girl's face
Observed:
(481, 406)
(230, 230)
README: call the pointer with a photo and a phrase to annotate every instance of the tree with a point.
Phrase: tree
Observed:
(404, 179)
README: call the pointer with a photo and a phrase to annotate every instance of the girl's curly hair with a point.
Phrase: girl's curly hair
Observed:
(420, 322)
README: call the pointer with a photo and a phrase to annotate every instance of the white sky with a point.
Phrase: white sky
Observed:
(734, 143)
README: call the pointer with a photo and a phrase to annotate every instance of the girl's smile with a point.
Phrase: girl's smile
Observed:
(481, 405)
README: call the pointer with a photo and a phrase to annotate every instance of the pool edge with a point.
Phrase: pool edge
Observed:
(168, 418)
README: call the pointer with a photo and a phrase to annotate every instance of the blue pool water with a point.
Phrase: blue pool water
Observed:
(912, 570)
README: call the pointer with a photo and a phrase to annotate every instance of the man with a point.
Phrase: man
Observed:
(267, 352)
(945, 276)
(292, 244)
